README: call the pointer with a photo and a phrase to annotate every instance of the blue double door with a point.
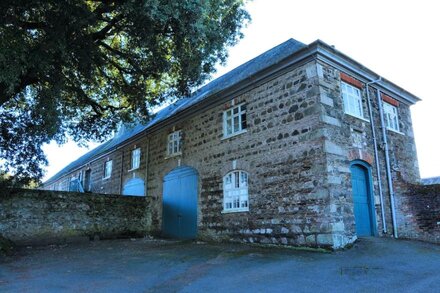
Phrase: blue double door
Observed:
(179, 218)
(363, 200)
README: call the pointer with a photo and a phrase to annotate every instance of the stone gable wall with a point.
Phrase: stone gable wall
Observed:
(348, 138)
(39, 216)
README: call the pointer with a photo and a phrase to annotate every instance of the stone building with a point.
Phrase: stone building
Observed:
(301, 145)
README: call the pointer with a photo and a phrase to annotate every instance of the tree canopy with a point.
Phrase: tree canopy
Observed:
(77, 68)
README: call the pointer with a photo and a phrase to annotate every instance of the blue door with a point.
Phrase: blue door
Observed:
(135, 187)
(179, 218)
(362, 200)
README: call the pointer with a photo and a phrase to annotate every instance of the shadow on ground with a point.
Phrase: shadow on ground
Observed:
(141, 265)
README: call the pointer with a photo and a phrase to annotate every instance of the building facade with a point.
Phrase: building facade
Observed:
(300, 146)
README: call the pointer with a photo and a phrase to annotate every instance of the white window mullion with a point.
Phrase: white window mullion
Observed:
(233, 120)
(235, 191)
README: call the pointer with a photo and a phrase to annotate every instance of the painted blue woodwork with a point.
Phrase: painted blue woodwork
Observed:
(134, 186)
(179, 218)
(363, 199)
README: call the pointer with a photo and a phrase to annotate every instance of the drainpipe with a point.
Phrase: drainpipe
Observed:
(376, 157)
(388, 166)
(147, 156)
(122, 171)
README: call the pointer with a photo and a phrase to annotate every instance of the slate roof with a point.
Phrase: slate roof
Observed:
(430, 181)
(233, 77)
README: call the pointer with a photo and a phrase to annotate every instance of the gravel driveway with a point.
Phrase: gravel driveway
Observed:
(140, 265)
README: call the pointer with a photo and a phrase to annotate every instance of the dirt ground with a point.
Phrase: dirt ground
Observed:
(142, 265)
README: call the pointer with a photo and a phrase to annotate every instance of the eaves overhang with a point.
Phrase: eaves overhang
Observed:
(342, 62)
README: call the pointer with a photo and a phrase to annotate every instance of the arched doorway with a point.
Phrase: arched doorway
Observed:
(179, 209)
(134, 187)
(363, 201)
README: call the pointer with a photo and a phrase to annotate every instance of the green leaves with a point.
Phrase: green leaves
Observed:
(78, 68)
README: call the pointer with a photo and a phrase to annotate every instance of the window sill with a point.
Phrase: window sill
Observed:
(173, 155)
(133, 169)
(358, 117)
(105, 178)
(241, 210)
(234, 134)
(395, 131)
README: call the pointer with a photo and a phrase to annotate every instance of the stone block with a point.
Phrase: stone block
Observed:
(331, 120)
(332, 148)
(324, 239)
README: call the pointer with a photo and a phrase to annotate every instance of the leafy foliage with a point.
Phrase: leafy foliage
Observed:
(77, 68)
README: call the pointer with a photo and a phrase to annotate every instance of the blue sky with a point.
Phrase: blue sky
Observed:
(400, 40)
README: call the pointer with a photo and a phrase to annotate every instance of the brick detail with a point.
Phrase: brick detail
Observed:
(389, 100)
(358, 154)
(350, 80)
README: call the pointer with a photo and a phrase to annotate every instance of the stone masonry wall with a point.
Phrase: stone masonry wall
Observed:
(38, 216)
(282, 151)
(297, 151)
(418, 211)
(348, 138)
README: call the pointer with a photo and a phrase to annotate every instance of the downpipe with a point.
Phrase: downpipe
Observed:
(388, 165)
(376, 157)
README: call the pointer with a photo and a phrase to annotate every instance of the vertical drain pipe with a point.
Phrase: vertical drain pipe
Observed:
(388, 166)
(376, 157)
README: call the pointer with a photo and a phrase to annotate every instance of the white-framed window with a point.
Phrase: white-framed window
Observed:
(352, 100)
(108, 169)
(235, 192)
(234, 120)
(175, 143)
(391, 116)
(135, 158)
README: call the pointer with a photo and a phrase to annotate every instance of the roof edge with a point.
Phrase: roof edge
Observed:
(341, 60)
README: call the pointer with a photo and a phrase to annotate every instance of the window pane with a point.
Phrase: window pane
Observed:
(229, 127)
(243, 121)
(236, 180)
(236, 124)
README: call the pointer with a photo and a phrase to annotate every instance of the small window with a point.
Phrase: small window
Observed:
(175, 143)
(135, 158)
(234, 120)
(235, 192)
(391, 117)
(352, 100)
(108, 169)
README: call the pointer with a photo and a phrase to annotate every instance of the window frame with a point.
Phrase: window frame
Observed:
(236, 193)
(240, 115)
(351, 101)
(106, 163)
(385, 108)
(174, 140)
(135, 158)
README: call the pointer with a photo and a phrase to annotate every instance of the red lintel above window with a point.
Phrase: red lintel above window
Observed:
(389, 100)
(350, 80)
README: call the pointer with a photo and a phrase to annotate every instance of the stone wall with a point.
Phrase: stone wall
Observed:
(38, 216)
(296, 149)
(418, 209)
(349, 138)
(282, 153)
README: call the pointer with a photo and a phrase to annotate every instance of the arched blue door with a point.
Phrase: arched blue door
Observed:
(134, 187)
(179, 218)
(362, 200)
